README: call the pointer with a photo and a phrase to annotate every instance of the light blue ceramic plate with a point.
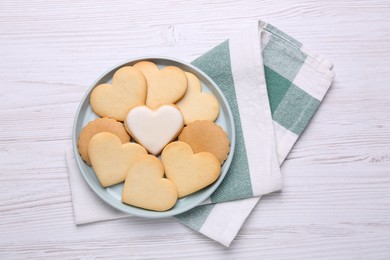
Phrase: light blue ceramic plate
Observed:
(112, 195)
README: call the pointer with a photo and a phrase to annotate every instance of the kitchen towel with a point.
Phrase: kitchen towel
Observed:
(274, 86)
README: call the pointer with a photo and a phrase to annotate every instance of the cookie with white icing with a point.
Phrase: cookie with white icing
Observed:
(154, 129)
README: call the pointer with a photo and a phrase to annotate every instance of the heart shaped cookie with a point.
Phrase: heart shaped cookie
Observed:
(97, 126)
(128, 90)
(154, 129)
(165, 86)
(188, 171)
(110, 158)
(196, 105)
(206, 136)
(145, 186)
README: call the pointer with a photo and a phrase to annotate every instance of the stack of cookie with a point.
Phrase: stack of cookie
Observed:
(156, 133)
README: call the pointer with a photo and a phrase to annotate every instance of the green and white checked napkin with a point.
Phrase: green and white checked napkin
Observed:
(274, 86)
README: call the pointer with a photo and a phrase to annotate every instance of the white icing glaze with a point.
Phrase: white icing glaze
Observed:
(154, 129)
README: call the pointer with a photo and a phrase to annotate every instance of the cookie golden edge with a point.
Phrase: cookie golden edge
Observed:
(169, 185)
(95, 101)
(146, 65)
(192, 114)
(107, 125)
(113, 177)
(184, 136)
(183, 191)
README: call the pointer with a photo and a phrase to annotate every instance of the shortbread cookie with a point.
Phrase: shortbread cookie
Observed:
(196, 105)
(145, 186)
(154, 129)
(206, 136)
(110, 158)
(128, 90)
(165, 86)
(188, 171)
(97, 126)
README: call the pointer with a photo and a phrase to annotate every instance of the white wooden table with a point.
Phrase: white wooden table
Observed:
(336, 199)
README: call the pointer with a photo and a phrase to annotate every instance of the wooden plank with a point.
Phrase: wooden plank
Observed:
(336, 199)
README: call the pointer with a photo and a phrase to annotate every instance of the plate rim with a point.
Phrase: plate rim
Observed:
(151, 213)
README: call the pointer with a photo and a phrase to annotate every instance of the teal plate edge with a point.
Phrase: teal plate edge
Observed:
(110, 194)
